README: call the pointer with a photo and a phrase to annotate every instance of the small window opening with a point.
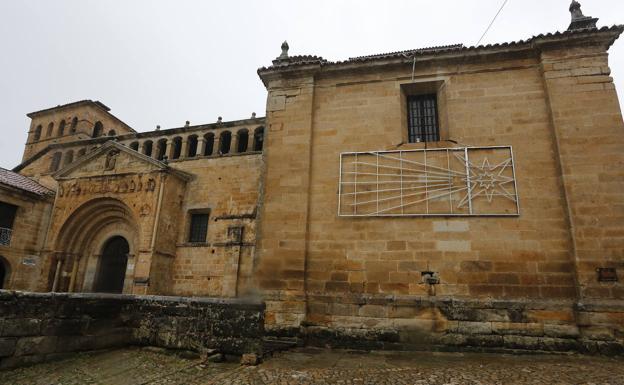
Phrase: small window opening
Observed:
(177, 147)
(61, 130)
(199, 228)
(422, 118)
(98, 129)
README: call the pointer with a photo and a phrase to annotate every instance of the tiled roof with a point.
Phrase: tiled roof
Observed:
(21, 182)
(456, 48)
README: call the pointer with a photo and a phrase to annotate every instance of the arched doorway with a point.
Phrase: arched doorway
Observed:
(112, 267)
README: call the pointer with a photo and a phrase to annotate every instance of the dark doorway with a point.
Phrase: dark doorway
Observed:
(3, 273)
(112, 267)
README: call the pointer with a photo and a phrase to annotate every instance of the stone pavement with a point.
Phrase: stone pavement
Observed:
(135, 366)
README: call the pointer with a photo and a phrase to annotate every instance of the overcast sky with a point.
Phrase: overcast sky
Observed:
(165, 62)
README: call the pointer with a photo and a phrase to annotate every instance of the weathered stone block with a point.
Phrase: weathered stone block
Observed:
(35, 345)
(7, 346)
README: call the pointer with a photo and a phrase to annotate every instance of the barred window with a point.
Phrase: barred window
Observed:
(423, 118)
(199, 228)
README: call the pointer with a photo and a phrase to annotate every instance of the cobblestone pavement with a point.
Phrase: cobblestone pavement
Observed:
(136, 366)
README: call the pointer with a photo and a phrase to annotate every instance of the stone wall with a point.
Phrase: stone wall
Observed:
(38, 327)
(405, 323)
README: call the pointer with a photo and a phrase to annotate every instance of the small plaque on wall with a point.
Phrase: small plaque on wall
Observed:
(607, 274)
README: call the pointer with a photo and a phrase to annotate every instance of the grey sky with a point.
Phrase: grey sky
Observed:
(164, 62)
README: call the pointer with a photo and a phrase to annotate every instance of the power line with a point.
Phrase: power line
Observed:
(492, 22)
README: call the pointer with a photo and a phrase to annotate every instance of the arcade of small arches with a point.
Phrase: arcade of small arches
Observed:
(97, 131)
(182, 146)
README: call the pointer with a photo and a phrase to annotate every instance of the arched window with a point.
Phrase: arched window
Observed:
(82, 152)
(61, 129)
(74, 124)
(69, 157)
(258, 139)
(50, 129)
(177, 148)
(147, 147)
(134, 146)
(56, 161)
(209, 139)
(98, 129)
(191, 143)
(161, 147)
(112, 133)
(224, 142)
(243, 140)
(37, 135)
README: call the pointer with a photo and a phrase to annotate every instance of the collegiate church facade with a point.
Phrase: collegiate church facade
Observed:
(381, 193)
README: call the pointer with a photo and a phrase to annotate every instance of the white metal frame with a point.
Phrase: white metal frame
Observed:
(441, 178)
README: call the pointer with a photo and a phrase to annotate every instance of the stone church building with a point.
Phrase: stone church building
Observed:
(450, 195)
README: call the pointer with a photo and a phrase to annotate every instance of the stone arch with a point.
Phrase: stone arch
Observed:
(55, 163)
(82, 239)
(191, 149)
(50, 129)
(37, 134)
(147, 148)
(112, 133)
(69, 157)
(61, 129)
(225, 140)
(5, 273)
(209, 144)
(98, 129)
(242, 139)
(134, 146)
(177, 147)
(161, 148)
(74, 124)
(258, 139)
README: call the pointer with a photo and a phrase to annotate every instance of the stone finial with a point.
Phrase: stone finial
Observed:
(220, 120)
(188, 123)
(580, 21)
(285, 48)
(253, 115)
(158, 127)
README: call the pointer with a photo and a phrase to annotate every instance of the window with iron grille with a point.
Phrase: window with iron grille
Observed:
(422, 118)
(199, 228)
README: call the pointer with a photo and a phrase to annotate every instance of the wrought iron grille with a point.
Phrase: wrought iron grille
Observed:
(466, 181)
(423, 118)
(5, 236)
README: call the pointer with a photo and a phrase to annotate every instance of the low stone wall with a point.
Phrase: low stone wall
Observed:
(36, 327)
(434, 323)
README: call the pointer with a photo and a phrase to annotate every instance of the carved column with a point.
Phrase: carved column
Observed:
(184, 148)
(201, 146)
(169, 149)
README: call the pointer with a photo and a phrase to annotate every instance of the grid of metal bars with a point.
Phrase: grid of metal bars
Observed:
(465, 181)
(199, 228)
(423, 118)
